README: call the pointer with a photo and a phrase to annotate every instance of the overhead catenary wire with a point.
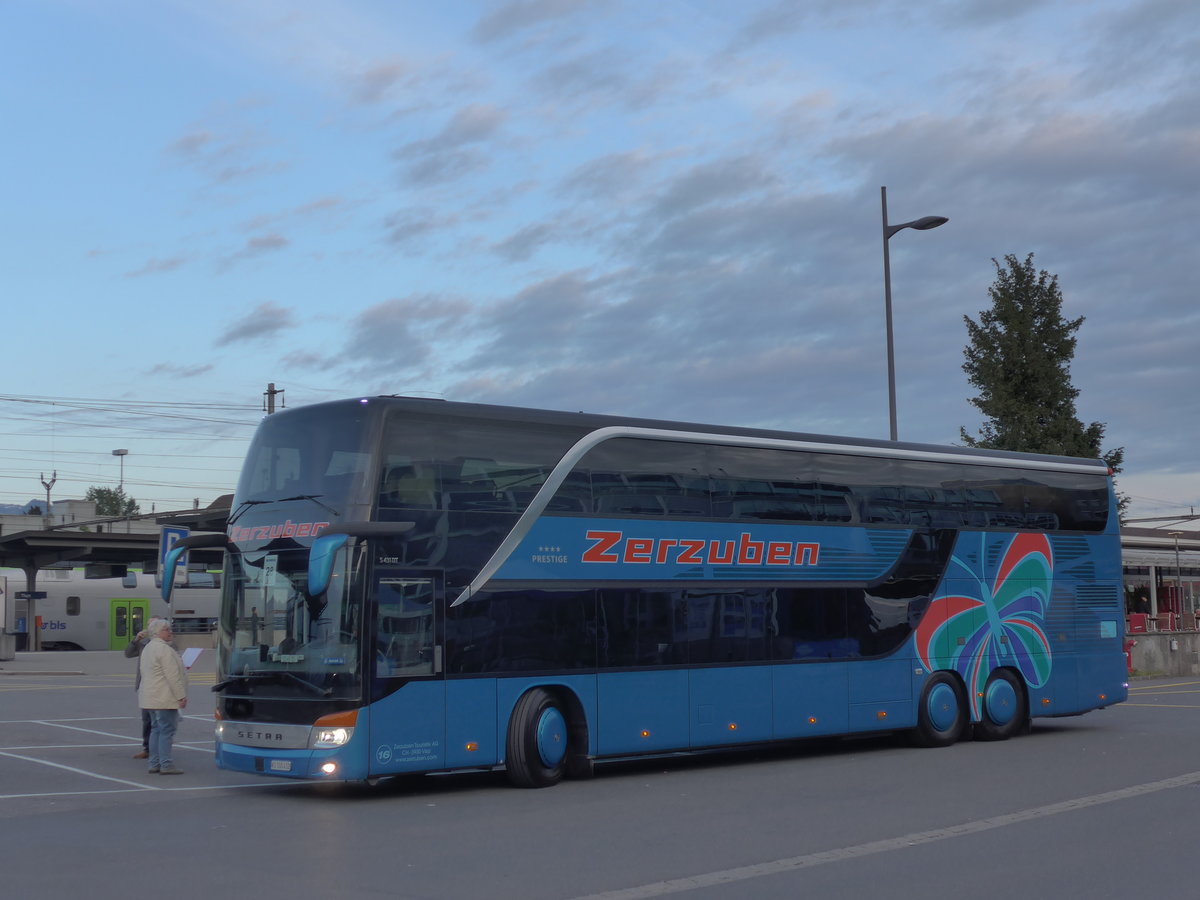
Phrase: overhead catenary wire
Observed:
(150, 426)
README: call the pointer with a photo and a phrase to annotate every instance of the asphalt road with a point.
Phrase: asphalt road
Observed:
(1105, 805)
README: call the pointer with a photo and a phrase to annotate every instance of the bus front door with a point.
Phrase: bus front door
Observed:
(408, 689)
(126, 617)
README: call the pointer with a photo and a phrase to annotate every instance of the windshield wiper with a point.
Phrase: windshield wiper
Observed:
(314, 498)
(242, 507)
(274, 676)
(246, 504)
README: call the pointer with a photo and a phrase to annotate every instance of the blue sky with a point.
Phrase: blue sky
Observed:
(664, 209)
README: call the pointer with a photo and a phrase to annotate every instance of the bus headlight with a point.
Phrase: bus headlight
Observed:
(325, 738)
(334, 730)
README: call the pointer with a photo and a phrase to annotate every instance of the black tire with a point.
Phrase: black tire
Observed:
(942, 713)
(1004, 707)
(536, 750)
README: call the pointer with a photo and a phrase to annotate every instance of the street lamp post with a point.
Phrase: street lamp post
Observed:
(922, 224)
(1178, 578)
(122, 454)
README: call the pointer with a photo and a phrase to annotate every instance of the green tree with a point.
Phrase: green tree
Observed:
(1019, 360)
(112, 501)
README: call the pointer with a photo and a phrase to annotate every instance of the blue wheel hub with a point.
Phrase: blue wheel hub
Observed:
(1000, 701)
(942, 707)
(551, 738)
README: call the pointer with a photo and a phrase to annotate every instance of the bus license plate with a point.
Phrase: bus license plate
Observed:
(281, 765)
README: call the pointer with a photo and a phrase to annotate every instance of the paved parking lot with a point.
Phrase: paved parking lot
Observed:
(1061, 812)
(69, 726)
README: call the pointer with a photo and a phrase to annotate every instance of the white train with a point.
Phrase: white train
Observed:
(80, 613)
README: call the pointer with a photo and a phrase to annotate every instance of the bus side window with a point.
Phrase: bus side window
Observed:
(404, 632)
(408, 487)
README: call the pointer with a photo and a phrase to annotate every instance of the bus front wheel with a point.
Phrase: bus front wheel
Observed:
(1005, 709)
(942, 715)
(536, 748)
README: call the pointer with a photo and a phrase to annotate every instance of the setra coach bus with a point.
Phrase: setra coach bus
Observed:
(416, 585)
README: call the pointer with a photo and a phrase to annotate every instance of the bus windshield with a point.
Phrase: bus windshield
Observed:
(277, 641)
(322, 455)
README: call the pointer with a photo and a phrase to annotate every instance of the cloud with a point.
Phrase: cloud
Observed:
(265, 321)
(191, 145)
(522, 15)
(614, 175)
(376, 82)
(730, 178)
(224, 159)
(157, 266)
(407, 228)
(786, 17)
(395, 339)
(174, 370)
(254, 247)
(315, 209)
(470, 124)
(451, 153)
(601, 71)
(523, 244)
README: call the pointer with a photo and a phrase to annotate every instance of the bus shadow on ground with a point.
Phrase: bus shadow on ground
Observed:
(441, 784)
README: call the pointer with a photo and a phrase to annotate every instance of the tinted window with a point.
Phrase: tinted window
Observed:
(730, 625)
(322, 451)
(519, 631)
(448, 462)
(1030, 499)
(632, 477)
(643, 628)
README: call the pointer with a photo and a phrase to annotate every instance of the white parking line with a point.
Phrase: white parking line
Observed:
(203, 787)
(123, 741)
(77, 728)
(760, 870)
(130, 743)
(46, 762)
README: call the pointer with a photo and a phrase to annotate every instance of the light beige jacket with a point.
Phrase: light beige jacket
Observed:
(164, 679)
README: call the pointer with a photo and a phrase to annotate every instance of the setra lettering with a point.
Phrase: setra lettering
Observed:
(248, 735)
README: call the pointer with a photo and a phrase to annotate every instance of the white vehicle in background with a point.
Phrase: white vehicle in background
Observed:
(78, 613)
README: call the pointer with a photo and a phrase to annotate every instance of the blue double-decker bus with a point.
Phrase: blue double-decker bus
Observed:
(415, 585)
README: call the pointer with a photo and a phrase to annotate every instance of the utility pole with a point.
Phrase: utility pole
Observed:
(269, 398)
(47, 485)
(34, 641)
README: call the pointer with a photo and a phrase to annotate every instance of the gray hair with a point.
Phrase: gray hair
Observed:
(157, 626)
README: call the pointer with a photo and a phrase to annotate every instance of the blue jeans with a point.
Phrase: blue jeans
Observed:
(163, 723)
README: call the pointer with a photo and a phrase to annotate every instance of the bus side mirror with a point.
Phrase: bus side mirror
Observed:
(180, 547)
(170, 563)
(320, 561)
(325, 548)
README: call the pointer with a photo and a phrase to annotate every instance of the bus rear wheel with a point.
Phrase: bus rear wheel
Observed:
(1005, 709)
(537, 743)
(942, 714)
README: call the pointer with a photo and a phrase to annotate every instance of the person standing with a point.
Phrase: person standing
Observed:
(163, 693)
(132, 651)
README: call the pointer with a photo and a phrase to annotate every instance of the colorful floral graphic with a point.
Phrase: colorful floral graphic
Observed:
(992, 612)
